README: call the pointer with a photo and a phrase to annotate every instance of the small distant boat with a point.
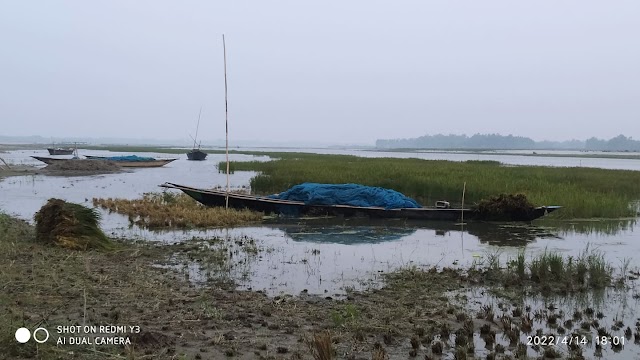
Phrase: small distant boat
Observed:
(133, 161)
(60, 151)
(196, 153)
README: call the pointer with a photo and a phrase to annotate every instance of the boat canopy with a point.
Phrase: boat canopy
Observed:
(347, 194)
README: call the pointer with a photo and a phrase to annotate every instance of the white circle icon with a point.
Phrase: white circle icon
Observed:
(23, 335)
(43, 330)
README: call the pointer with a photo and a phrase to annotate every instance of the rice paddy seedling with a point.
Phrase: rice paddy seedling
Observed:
(460, 353)
(519, 265)
(487, 313)
(493, 260)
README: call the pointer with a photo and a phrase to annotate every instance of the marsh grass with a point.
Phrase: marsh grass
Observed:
(589, 270)
(170, 210)
(583, 192)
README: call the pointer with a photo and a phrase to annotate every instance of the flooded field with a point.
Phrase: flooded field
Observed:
(329, 257)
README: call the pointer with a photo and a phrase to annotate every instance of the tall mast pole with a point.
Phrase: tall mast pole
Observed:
(226, 118)
(197, 127)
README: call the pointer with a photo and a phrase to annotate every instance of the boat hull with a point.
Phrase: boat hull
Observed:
(197, 155)
(134, 164)
(59, 151)
(297, 208)
(131, 164)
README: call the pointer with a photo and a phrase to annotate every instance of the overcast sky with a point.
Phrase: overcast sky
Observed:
(324, 71)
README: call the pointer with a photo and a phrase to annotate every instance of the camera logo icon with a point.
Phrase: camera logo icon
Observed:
(40, 335)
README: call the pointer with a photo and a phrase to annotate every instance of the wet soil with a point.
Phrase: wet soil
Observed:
(49, 286)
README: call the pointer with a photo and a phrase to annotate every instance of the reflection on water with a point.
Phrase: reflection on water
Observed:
(329, 255)
(343, 233)
(596, 227)
(357, 230)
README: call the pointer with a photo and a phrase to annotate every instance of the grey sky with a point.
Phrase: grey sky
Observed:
(329, 71)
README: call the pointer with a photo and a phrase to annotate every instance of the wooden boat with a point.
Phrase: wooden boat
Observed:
(196, 154)
(298, 208)
(49, 161)
(60, 151)
(132, 164)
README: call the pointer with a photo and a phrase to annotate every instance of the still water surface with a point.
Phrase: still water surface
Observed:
(321, 255)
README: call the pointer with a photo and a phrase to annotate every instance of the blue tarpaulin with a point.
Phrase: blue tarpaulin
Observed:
(130, 158)
(347, 194)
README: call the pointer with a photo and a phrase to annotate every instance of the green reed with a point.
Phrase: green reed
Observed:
(583, 192)
(587, 270)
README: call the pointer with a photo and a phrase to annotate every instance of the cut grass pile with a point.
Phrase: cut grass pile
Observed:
(169, 210)
(583, 192)
(496, 207)
(70, 225)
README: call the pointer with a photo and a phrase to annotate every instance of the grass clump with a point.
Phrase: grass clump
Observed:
(550, 269)
(169, 210)
(583, 192)
(320, 346)
(70, 225)
(345, 316)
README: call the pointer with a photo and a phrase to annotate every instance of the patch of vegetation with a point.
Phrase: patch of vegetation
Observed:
(171, 210)
(583, 192)
(345, 316)
(320, 346)
(70, 225)
(553, 272)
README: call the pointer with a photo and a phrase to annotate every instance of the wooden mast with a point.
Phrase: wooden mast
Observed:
(197, 127)
(226, 118)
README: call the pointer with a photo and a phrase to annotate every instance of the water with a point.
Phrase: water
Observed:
(555, 158)
(331, 255)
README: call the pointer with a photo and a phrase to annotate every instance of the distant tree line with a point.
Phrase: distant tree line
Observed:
(508, 142)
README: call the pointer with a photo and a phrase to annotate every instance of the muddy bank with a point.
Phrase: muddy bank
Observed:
(49, 286)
